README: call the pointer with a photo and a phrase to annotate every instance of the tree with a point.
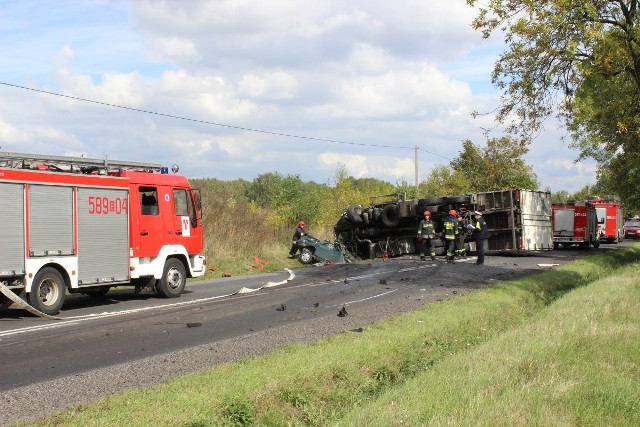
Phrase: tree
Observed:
(444, 180)
(288, 197)
(580, 59)
(496, 166)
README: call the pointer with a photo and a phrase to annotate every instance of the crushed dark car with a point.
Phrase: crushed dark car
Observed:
(321, 251)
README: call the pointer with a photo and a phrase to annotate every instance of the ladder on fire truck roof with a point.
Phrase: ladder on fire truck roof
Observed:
(70, 164)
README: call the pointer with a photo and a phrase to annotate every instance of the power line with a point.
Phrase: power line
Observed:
(155, 113)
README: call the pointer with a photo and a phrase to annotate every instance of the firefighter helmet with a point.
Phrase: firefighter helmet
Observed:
(427, 214)
(300, 223)
(453, 212)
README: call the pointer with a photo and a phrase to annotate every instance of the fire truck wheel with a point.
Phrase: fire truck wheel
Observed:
(47, 292)
(173, 280)
(306, 256)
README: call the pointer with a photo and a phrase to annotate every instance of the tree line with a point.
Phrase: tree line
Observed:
(578, 61)
(279, 201)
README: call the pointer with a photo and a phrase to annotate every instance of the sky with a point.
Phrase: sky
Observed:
(232, 89)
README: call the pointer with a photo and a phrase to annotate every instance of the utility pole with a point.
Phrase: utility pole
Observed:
(416, 169)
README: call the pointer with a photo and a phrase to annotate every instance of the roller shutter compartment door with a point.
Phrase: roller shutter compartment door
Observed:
(12, 229)
(103, 236)
(50, 220)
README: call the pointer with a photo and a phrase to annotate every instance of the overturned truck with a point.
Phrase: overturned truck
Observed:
(517, 219)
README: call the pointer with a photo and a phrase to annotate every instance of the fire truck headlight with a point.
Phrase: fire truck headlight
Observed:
(175, 168)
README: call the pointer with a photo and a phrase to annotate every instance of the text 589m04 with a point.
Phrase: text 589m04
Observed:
(106, 205)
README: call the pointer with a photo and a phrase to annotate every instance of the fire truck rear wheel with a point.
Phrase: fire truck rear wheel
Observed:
(47, 292)
(5, 303)
(174, 279)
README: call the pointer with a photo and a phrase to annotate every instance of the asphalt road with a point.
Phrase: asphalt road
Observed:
(125, 327)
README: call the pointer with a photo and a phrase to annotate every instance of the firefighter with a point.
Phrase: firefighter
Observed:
(482, 234)
(426, 232)
(297, 241)
(450, 226)
(460, 251)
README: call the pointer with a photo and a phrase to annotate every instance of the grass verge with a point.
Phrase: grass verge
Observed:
(519, 353)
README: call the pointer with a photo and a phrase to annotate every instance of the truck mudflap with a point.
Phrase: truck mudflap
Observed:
(23, 304)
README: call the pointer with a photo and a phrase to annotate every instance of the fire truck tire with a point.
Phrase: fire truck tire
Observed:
(48, 291)
(174, 279)
(306, 256)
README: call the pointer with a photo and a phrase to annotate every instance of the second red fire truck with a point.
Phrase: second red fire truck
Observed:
(78, 225)
(575, 224)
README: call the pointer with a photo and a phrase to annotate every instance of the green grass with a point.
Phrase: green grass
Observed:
(559, 348)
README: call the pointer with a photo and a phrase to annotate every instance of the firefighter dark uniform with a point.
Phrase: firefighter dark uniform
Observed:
(482, 234)
(297, 242)
(426, 232)
(450, 229)
(460, 251)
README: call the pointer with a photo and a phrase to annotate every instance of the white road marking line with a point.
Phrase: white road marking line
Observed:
(360, 300)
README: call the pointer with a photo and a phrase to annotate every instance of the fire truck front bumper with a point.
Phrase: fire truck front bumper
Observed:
(198, 263)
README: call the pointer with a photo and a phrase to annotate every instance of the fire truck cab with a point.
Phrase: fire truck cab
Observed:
(79, 225)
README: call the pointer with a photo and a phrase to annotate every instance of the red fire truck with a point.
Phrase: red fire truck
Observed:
(79, 225)
(610, 219)
(575, 224)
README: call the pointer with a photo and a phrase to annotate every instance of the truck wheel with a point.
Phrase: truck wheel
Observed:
(306, 256)
(432, 201)
(354, 213)
(47, 292)
(174, 279)
(458, 200)
(5, 303)
(390, 216)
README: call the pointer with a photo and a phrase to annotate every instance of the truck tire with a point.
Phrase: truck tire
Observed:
(431, 201)
(174, 279)
(390, 216)
(354, 213)
(455, 200)
(48, 291)
(5, 303)
(306, 256)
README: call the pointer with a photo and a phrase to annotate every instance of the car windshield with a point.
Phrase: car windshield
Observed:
(632, 224)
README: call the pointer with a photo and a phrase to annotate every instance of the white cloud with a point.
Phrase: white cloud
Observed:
(365, 75)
